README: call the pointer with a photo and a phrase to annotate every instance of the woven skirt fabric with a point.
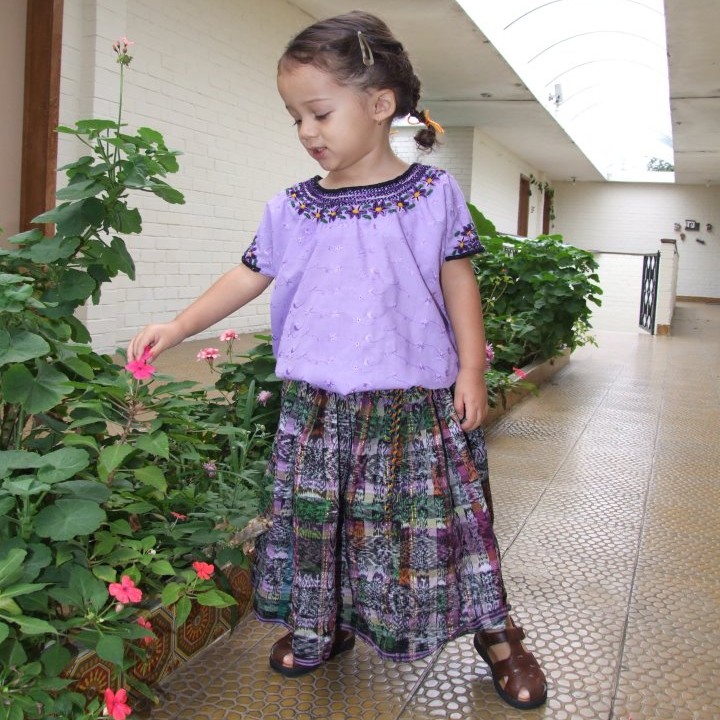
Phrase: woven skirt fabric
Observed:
(381, 523)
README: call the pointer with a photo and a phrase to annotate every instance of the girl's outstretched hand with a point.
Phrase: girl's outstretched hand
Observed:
(156, 338)
(471, 398)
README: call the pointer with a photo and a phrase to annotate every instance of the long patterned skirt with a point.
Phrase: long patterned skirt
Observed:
(381, 523)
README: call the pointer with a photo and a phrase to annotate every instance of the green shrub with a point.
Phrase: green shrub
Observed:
(535, 295)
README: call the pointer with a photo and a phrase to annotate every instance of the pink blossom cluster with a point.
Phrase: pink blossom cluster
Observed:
(209, 354)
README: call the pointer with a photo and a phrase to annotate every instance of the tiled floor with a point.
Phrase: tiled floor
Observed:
(607, 492)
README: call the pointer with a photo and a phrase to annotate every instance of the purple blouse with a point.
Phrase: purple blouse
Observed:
(357, 303)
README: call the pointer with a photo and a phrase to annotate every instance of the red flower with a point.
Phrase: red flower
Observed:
(116, 704)
(140, 369)
(125, 591)
(204, 570)
(178, 516)
(143, 622)
(520, 373)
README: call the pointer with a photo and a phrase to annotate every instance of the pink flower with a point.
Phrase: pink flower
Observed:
(210, 468)
(125, 591)
(140, 369)
(228, 335)
(116, 704)
(178, 516)
(263, 397)
(204, 570)
(520, 373)
(208, 353)
(489, 355)
(143, 622)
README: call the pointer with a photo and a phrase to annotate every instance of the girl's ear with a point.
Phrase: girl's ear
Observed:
(384, 105)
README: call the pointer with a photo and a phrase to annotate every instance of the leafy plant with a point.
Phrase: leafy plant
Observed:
(535, 295)
(116, 491)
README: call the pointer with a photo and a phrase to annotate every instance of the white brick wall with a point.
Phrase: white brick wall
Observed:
(633, 217)
(204, 76)
(495, 187)
(621, 281)
(453, 153)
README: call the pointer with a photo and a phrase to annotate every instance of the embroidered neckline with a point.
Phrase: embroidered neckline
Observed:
(316, 203)
(315, 181)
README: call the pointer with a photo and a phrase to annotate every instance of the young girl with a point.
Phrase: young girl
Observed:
(381, 519)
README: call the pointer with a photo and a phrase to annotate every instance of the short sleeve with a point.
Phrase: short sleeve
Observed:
(461, 237)
(259, 255)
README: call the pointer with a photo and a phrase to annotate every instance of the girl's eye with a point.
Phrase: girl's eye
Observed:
(296, 123)
(322, 117)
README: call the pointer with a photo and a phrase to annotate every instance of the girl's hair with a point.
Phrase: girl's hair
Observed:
(358, 49)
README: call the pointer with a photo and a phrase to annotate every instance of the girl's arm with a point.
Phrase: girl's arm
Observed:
(462, 300)
(233, 290)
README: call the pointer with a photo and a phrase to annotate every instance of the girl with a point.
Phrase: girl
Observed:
(381, 518)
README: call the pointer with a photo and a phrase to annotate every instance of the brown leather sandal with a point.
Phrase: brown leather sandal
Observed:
(344, 640)
(520, 670)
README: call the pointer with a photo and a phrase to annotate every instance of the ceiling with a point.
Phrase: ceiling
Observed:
(467, 83)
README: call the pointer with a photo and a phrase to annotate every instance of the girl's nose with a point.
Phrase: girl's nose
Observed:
(308, 130)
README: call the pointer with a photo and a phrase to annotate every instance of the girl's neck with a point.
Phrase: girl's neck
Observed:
(371, 172)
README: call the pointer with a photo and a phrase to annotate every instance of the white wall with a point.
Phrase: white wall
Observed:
(12, 83)
(204, 76)
(453, 152)
(633, 217)
(496, 184)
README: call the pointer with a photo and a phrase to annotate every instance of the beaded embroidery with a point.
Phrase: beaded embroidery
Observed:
(309, 200)
(313, 202)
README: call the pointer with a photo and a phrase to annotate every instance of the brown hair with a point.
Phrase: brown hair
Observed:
(334, 46)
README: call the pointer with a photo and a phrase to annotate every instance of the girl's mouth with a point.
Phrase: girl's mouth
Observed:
(318, 153)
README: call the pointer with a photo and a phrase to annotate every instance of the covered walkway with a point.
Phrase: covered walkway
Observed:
(607, 499)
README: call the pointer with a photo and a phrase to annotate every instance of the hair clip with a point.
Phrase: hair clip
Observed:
(366, 50)
(436, 126)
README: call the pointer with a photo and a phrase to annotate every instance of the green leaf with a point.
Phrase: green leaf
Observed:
(52, 249)
(84, 489)
(9, 609)
(162, 567)
(216, 598)
(31, 625)
(125, 220)
(166, 192)
(37, 393)
(21, 589)
(111, 458)
(95, 124)
(75, 285)
(152, 476)
(151, 136)
(29, 235)
(182, 610)
(81, 190)
(4, 632)
(55, 659)
(124, 262)
(63, 464)
(67, 519)
(105, 573)
(112, 649)
(22, 346)
(67, 216)
(10, 566)
(155, 444)
(171, 593)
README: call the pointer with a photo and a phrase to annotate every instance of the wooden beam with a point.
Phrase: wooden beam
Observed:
(43, 48)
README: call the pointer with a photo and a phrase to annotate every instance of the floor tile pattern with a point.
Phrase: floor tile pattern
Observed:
(607, 498)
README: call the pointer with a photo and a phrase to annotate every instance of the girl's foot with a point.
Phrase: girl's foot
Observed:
(282, 661)
(517, 677)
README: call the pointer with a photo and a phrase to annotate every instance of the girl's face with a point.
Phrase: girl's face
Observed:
(337, 124)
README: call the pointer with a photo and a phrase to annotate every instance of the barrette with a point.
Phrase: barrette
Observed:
(366, 50)
(436, 126)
